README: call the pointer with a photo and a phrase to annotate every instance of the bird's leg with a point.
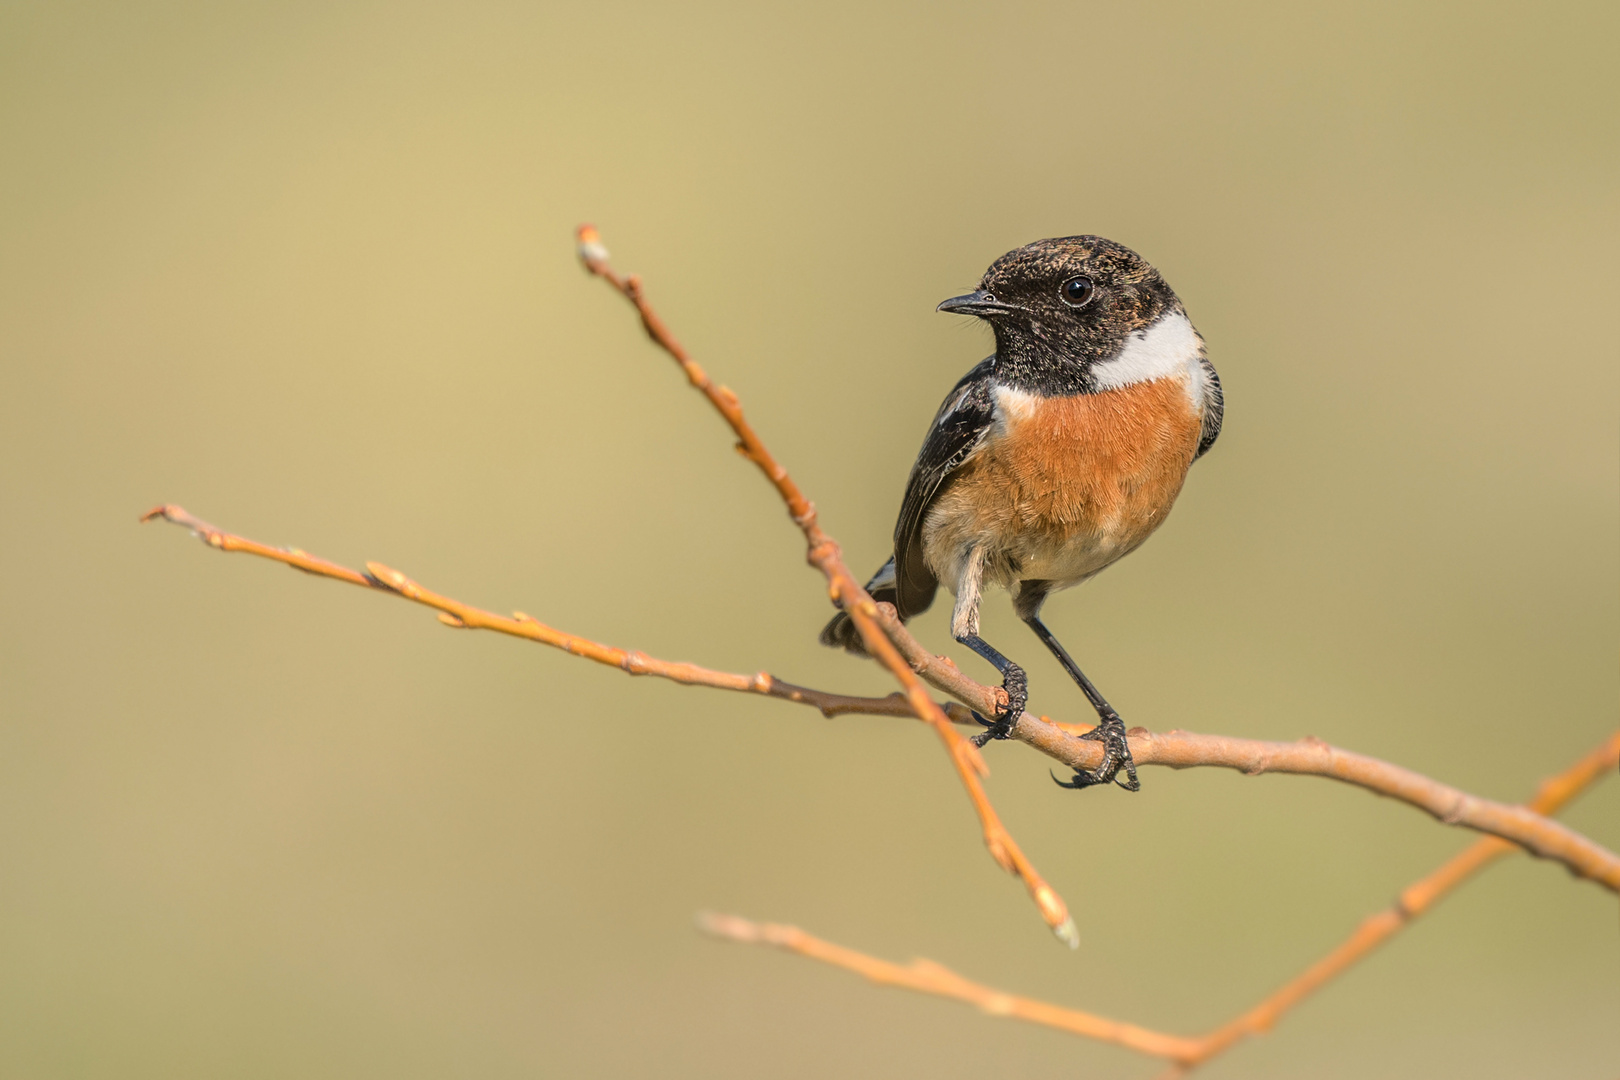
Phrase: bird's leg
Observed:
(1110, 731)
(965, 628)
(1013, 682)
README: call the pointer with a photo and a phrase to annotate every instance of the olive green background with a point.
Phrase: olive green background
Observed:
(306, 269)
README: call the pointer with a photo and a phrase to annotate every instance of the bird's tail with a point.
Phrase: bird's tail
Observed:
(841, 633)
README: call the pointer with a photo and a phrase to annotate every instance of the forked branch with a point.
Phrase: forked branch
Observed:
(1536, 833)
(460, 616)
(1184, 1052)
(844, 590)
(914, 667)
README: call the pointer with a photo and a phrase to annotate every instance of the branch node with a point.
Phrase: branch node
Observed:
(393, 580)
(824, 552)
(998, 852)
(1455, 812)
(997, 1005)
(455, 622)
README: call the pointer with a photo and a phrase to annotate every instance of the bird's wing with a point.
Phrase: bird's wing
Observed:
(959, 429)
(1214, 406)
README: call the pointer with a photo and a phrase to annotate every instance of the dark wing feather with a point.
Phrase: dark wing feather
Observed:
(841, 633)
(1214, 407)
(959, 428)
(905, 580)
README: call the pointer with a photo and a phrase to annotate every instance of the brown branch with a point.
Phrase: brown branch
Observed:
(1176, 749)
(824, 554)
(1414, 900)
(1536, 833)
(925, 976)
(913, 665)
(454, 613)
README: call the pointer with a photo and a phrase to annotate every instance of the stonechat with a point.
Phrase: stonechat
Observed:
(1053, 458)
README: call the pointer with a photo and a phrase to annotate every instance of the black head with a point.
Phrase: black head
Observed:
(1059, 306)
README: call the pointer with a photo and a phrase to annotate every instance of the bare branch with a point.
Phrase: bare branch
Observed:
(460, 616)
(925, 976)
(1416, 899)
(824, 554)
(1535, 832)
(1538, 834)
(888, 640)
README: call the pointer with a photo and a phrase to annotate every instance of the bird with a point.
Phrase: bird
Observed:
(1053, 458)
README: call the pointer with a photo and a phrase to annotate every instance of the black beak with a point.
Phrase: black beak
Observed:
(979, 303)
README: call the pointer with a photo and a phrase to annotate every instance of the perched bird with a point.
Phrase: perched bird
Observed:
(1053, 458)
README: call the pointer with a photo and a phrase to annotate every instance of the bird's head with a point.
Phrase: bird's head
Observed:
(1061, 306)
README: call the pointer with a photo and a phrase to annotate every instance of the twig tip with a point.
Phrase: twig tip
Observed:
(1056, 914)
(592, 252)
(730, 927)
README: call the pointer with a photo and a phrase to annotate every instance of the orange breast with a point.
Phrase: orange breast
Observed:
(1065, 486)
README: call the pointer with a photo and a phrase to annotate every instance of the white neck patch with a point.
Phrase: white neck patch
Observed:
(1170, 348)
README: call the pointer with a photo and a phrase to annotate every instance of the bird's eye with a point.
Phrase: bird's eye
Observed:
(1076, 291)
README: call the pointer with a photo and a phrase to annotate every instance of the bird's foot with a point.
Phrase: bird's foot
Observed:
(1017, 687)
(1116, 756)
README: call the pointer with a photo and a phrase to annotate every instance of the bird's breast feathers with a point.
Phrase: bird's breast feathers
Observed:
(1062, 486)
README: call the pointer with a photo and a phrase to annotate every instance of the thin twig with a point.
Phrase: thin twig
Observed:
(455, 614)
(1537, 833)
(1414, 900)
(842, 587)
(913, 665)
(925, 976)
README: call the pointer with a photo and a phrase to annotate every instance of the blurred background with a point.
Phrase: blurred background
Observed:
(307, 270)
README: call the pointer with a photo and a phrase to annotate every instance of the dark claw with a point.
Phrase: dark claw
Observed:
(1017, 687)
(982, 737)
(1116, 755)
(1074, 785)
